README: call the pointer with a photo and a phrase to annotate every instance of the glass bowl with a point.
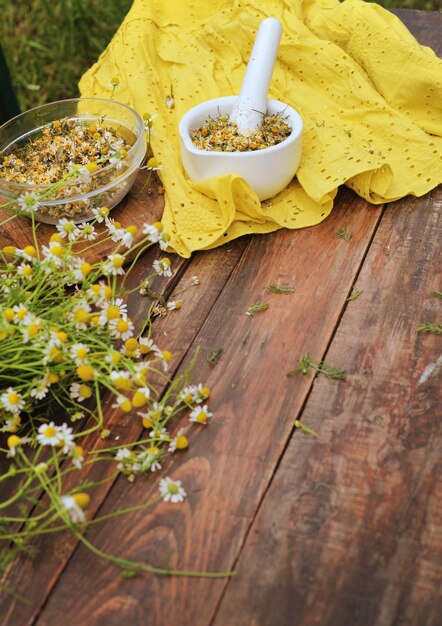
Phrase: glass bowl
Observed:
(75, 199)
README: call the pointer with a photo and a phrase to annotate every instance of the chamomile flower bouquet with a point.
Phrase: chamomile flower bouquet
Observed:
(68, 345)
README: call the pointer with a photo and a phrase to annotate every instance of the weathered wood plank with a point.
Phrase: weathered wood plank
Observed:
(229, 464)
(350, 530)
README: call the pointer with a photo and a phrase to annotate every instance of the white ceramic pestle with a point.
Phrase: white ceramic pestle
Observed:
(269, 170)
(251, 103)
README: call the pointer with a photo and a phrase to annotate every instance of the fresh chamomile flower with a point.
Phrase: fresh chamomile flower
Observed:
(80, 269)
(49, 434)
(12, 442)
(201, 393)
(171, 490)
(80, 391)
(200, 415)
(77, 456)
(100, 214)
(125, 458)
(122, 328)
(162, 267)
(158, 433)
(140, 397)
(40, 390)
(164, 356)
(113, 266)
(12, 401)
(79, 352)
(28, 203)
(25, 270)
(87, 231)
(121, 379)
(163, 242)
(66, 438)
(123, 403)
(174, 305)
(74, 510)
(153, 415)
(146, 345)
(153, 231)
(68, 229)
(179, 442)
(100, 293)
(11, 425)
(20, 314)
(53, 253)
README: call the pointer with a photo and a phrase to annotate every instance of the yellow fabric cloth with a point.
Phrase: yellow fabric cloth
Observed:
(370, 97)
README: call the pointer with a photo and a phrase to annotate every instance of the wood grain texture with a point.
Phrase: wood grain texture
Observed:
(137, 208)
(350, 530)
(354, 514)
(230, 463)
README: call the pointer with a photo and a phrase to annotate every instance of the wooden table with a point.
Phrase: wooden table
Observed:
(343, 529)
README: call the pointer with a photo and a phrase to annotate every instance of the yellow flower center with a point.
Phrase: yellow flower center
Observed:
(112, 312)
(85, 372)
(147, 423)
(86, 268)
(13, 441)
(30, 251)
(167, 356)
(56, 237)
(132, 230)
(118, 261)
(116, 357)
(9, 315)
(165, 261)
(81, 315)
(27, 271)
(82, 500)
(158, 226)
(122, 383)
(52, 378)
(122, 326)
(139, 399)
(49, 432)
(13, 398)
(57, 250)
(33, 330)
(9, 250)
(77, 452)
(81, 352)
(131, 344)
(126, 405)
(85, 391)
(153, 450)
(181, 442)
(62, 336)
(201, 418)
(91, 167)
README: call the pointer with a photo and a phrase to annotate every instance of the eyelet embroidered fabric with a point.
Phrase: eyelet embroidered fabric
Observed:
(370, 97)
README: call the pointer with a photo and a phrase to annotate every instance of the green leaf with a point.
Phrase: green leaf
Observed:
(274, 288)
(257, 308)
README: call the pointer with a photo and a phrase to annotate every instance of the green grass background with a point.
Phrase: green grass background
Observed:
(49, 44)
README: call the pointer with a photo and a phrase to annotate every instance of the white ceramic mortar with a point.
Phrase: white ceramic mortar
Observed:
(268, 170)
